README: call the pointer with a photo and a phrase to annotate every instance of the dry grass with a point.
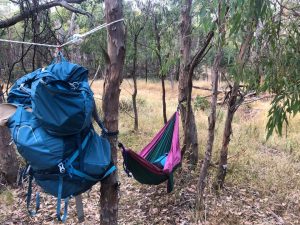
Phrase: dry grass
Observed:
(263, 181)
(264, 160)
(272, 168)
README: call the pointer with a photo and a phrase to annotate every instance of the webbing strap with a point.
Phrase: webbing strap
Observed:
(78, 173)
(125, 159)
(88, 177)
(104, 132)
(58, 207)
(77, 152)
(28, 199)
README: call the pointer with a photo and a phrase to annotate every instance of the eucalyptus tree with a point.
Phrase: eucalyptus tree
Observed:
(163, 42)
(262, 25)
(190, 135)
(136, 20)
(280, 60)
(110, 105)
(220, 22)
(243, 21)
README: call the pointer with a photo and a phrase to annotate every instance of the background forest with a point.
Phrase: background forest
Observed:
(230, 66)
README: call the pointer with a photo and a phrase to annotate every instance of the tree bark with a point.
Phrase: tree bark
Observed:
(190, 144)
(213, 105)
(233, 105)
(8, 158)
(211, 124)
(162, 76)
(111, 94)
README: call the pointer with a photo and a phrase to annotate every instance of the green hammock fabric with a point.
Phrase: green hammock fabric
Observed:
(143, 169)
(164, 144)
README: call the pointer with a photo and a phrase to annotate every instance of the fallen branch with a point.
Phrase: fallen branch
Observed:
(206, 89)
(257, 99)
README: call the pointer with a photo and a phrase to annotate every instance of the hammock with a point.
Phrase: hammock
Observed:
(158, 160)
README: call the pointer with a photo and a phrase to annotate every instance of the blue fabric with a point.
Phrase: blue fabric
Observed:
(21, 91)
(63, 109)
(41, 150)
(59, 95)
(64, 70)
(57, 139)
(161, 161)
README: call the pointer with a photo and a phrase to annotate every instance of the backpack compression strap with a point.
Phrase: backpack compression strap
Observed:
(58, 207)
(28, 198)
(105, 132)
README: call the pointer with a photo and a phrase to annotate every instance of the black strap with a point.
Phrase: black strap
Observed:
(28, 199)
(125, 159)
(105, 132)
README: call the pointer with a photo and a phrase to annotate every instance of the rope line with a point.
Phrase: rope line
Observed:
(75, 37)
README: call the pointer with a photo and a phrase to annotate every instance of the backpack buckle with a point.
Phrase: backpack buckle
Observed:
(61, 167)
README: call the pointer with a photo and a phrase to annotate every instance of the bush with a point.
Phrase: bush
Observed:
(201, 103)
(125, 105)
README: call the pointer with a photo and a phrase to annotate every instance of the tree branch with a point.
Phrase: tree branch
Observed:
(28, 12)
(198, 56)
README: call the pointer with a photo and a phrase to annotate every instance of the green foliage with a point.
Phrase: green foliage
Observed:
(201, 103)
(283, 76)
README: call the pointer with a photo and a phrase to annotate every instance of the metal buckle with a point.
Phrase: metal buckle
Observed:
(61, 167)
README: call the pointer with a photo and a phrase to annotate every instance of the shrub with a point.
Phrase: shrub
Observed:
(201, 103)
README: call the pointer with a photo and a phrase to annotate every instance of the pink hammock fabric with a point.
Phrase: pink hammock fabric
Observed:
(174, 156)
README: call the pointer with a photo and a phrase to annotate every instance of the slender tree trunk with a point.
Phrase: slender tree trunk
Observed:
(213, 106)
(162, 77)
(164, 98)
(211, 124)
(177, 71)
(146, 68)
(190, 144)
(8, 158)
(110, 105)
(233, 105)
(133, 74)
(37, 58)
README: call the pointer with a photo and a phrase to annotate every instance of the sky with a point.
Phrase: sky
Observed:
(6, 8)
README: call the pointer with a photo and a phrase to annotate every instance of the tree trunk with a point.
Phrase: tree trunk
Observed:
(133, 74)
(146, 68)
(164, 98)
(110, 105)
(211, 124)
(190, 144)
(233, 105)
(213, 106)
(8, 158)
(36, 24)
(226, 136)
(158, 53)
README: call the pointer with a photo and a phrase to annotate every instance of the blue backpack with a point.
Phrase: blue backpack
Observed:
(59, 95)
(66, 157)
